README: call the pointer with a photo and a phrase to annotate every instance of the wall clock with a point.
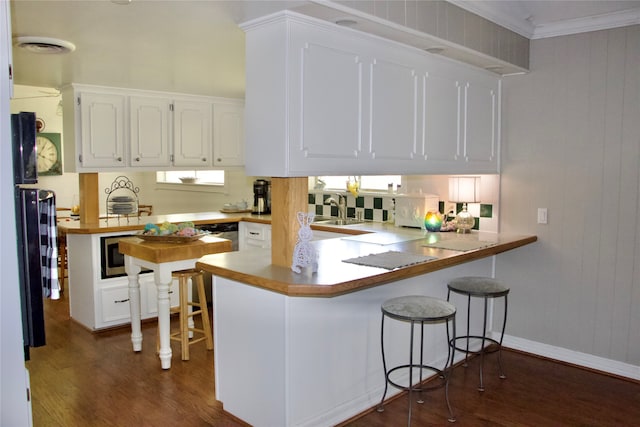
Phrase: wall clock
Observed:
(49, 154)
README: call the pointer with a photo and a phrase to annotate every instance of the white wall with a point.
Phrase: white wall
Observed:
(571, 143)
(164, 201)
(14, 407)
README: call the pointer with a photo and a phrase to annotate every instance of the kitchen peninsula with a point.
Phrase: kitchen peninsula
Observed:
(308, 345)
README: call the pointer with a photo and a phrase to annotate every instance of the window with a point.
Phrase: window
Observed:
(371, 183)
(206, 180)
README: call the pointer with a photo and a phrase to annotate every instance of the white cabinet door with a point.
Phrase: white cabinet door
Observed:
(228, 135)
(102, 124)
(443, 119)
(150, 125)
(482, 124)
(394, 110)
(326, 102)
(192, 134)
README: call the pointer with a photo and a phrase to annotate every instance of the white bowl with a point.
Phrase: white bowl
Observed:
(188, 179)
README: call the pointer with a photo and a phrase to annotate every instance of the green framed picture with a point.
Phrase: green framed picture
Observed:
(49, 154)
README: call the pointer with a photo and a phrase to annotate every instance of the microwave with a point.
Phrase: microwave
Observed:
(411, 209)
(111, 260)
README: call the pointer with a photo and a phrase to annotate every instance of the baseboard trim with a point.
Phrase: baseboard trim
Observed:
(573, 357)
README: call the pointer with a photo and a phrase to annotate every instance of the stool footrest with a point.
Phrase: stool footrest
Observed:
(439, 373)
(486, 349)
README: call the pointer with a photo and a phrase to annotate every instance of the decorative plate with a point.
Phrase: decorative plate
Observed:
(122, 199)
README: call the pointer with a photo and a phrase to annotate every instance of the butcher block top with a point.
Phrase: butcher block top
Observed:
(159, 252)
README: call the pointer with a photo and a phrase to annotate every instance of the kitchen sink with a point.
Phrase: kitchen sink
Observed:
(337, 221)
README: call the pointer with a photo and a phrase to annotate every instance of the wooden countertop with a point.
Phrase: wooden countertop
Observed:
(138, 223)
(335, 277)
(159, 252)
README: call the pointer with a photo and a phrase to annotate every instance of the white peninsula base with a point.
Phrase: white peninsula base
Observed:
(305, 361)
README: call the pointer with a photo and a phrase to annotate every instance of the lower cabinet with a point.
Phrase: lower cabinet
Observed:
(98, 303)
(112, 300)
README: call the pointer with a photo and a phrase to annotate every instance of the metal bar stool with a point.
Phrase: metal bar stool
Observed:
(186, 312)
(486, 288)
(419, 309)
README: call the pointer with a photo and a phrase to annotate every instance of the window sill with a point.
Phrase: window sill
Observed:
(195, 187)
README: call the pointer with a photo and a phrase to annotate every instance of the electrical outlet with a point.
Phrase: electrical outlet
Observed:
(542, 215)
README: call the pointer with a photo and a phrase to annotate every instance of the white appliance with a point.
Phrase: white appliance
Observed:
(411, 209)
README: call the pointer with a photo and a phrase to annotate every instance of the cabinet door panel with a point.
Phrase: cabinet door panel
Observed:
(228, 135)
(442, 118)
(192, 134)
(103, 127)
(480, 140)
(394, 110)
(149, 131)
(327, 125)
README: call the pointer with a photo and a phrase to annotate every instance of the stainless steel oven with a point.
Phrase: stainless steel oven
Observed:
(111, 260)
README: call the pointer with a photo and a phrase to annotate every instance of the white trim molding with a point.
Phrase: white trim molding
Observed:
(514, 16)
(573, 357)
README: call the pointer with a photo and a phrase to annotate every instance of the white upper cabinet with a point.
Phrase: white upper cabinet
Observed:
(322, 99)
(150, 131)
(102, 128)
(228, 135)
(192, 134)
(113, 128)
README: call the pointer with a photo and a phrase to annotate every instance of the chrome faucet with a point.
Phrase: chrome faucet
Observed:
(341, 204)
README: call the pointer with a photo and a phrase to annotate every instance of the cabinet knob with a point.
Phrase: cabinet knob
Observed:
(137, 159)
(204, 159)
(218, 159)
(119, 159)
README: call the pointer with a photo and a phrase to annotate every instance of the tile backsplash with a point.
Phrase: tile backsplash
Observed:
(380, 208)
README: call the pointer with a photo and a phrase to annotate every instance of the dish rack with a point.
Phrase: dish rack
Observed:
(122, 198)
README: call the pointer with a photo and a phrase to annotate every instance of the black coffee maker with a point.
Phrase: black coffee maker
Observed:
(261, 197)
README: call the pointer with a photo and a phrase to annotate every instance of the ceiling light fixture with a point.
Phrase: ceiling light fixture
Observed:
(435, 49)
(44, 44)
(495, 68)
(346, 22)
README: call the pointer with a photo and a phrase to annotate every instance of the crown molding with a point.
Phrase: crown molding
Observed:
(497, 15)
(526, 28)
(606, 21)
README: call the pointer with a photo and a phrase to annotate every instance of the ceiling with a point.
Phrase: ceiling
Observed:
(197, 47)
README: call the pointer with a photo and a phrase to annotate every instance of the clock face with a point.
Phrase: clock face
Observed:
(48, 156)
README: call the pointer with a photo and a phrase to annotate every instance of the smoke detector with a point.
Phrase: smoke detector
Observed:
(44, 44)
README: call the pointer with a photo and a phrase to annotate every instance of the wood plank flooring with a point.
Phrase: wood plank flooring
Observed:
(94, 379)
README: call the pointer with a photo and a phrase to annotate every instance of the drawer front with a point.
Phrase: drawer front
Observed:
(254, 235)
(115, 305)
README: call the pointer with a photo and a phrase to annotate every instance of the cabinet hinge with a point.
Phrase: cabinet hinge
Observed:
(171, 158)
(80, 158)
(170, 107)
(78, 100)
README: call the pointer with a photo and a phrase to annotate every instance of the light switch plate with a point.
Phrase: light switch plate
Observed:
(542, 215)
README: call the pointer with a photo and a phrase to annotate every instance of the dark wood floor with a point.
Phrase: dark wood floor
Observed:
(87, 379)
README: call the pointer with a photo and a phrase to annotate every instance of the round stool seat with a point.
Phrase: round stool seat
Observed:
(418, 308)
(478, 286)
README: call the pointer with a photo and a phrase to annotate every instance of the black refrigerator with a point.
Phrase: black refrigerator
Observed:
(36, 233)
